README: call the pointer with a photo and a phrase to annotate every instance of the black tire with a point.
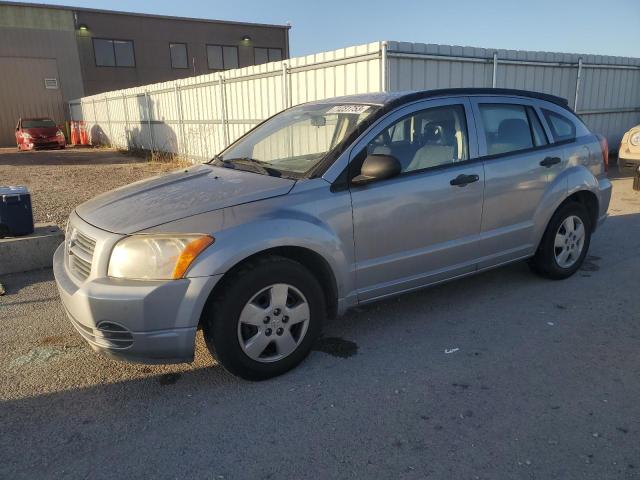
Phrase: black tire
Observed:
(544, 262)
(220, 322)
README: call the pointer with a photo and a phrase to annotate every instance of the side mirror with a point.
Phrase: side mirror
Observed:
(377, 167)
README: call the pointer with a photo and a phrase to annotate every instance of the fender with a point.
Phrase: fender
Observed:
(568, 182)
(281, 227)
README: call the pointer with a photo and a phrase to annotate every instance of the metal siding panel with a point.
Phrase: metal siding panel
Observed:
(254, 93)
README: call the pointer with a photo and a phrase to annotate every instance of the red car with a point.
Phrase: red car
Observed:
(32, 133)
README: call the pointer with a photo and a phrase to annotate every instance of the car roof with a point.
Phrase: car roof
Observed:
(399, 98)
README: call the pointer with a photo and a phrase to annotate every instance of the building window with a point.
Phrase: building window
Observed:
(221, 57)
(113, 53)
(264, 55)
(179, 57)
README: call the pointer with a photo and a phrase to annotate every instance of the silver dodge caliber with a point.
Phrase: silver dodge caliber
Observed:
(325, 206)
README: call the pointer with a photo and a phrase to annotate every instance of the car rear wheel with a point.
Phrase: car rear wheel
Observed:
(265, 318)
(565, 243)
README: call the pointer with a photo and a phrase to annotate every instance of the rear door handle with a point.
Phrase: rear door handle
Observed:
(550, 162)
(463, 180)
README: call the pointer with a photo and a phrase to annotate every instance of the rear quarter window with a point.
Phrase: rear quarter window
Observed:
(562, 128)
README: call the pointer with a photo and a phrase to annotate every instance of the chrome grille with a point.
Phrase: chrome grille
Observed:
(80, 249)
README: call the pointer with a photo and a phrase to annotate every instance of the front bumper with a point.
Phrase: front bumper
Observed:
(38, 143)
(146, 322)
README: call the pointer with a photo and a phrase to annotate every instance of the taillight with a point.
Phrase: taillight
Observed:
(604, 145)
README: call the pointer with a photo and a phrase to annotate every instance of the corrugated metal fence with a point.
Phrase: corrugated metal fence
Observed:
(197, 117)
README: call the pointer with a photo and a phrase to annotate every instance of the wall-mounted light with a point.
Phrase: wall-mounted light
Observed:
(246, 39)
(83, 27)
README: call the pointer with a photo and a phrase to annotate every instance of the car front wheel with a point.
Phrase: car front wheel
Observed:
(265, 318)
(565, 243)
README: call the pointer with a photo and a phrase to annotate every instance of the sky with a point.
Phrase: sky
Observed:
(572, 26)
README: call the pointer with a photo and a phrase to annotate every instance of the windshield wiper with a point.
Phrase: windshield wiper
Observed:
(257, 165)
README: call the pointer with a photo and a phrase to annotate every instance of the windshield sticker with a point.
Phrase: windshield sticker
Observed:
(354, 109)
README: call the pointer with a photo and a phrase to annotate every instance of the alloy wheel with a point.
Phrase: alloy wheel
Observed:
(273, 323)
(569, 241)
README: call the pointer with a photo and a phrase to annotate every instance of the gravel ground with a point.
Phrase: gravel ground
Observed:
(59, 180)
(499, 376)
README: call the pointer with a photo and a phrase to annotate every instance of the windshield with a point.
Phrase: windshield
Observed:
(38, 123)
(295, 140)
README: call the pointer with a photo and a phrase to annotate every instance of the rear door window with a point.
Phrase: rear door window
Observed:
(510, 128)
(561, 127)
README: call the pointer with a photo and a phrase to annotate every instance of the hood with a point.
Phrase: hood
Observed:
(177, 195)
(45, 131)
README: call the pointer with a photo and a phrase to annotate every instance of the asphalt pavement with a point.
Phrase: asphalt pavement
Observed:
(499, 376)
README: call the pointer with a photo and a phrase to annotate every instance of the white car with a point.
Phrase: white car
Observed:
(629, 153)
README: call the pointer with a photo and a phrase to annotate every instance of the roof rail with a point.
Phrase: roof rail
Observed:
(415, 95)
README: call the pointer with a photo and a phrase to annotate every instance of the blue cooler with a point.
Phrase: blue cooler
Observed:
(16, 216)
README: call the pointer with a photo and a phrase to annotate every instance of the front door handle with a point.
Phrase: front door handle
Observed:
(463, 180)
(550, 162)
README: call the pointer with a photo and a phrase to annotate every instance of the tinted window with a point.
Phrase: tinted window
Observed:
(561, 127)
(428, 138)
(222, 57)
(275, 54)
(264, 55)
(230, 57)
(124, 53)
(261, 55)
(506, 128)
(179, 58)
(113, 53)
(214, 57)
(103, 51)
(38, 123)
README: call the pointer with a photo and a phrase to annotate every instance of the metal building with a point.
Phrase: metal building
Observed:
(199, 116)
(51, 54)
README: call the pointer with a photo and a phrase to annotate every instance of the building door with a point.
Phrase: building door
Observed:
(30, 88)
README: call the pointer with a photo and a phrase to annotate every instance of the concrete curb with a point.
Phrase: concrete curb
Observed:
(31, 252)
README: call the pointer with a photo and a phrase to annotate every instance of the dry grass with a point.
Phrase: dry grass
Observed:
(166, 158)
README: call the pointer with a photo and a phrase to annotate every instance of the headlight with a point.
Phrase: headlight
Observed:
(156, 257)
(59, 133)
(635, 139)
(26, 135)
